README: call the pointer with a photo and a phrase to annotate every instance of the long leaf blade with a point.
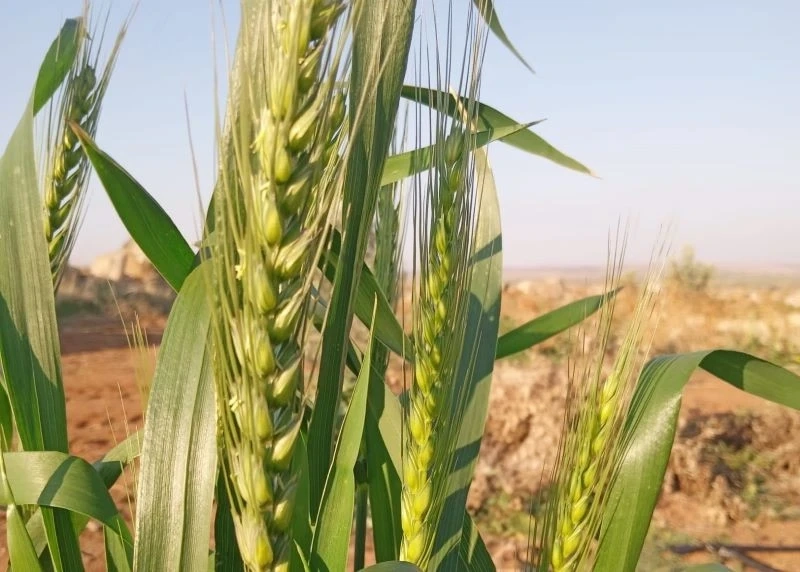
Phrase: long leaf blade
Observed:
(333, 527)
(488, 116)
(550, 324)
(179, 456)
(146, 221)
(651, 428)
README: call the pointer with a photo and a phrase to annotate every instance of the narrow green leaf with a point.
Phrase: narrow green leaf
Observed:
(301, 521)
(381, 40)
(21, 553)
(403, 165)
(387, 327)
(119, 556)
(476, 363)
(488, 116)
(179, 455)
(548, 325)
(331, 542)
(651, 432)
(486, 8)
(29, 345)
(57, 62)
(148, 224)
(384, 422)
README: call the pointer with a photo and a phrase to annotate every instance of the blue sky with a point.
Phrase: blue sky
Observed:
(687, 110)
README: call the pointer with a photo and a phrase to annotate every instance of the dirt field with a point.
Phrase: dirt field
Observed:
(734, 475)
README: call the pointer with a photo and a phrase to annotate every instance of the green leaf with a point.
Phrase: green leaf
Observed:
(473, 553)
(331, 542)
(381, 39)
(58, 480)
(21, 553)
(548, 325)
(403, 165)
(387, 327)
(651, 431)
(29, 345)
(148, 224)
(475, 365)
(301, 520)
(6, 418)
(486, 8)
(383, 428)
(119, 556)
(20, 548)
(179, 455)
(488, 116)
(57, 62)
(109, 468)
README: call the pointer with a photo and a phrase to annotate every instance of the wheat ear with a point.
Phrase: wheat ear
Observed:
(67, 168)
(270, 225)
(594, 440)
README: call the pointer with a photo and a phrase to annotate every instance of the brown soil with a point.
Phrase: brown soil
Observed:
(734, 475)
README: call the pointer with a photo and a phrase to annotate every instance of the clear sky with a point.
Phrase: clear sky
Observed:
(687, 110)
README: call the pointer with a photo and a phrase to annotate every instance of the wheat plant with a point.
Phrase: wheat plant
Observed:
(255, 454)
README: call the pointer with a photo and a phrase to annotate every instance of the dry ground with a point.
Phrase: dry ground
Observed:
(734, 475)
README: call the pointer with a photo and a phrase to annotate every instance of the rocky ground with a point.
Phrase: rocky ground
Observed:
(734, 473)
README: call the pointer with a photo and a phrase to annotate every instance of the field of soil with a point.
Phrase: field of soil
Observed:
(733, 477)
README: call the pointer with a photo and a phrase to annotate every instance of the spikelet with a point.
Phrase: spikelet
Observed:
(270, 213)
(66, 166)
(593, 441)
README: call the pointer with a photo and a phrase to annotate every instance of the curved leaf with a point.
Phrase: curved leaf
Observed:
(486, 8)
(179, 455)
(148, 224)
(488, 116)
(651, 431)
(58, 480)
(403, 165)
(548, 325)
